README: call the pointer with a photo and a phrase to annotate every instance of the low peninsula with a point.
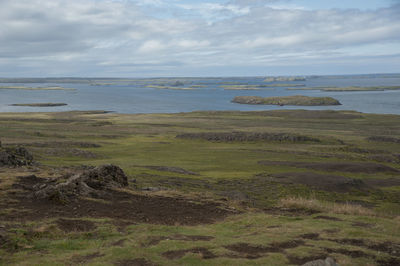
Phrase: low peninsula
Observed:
(160, 87)
(54, 88)
(273, 79)
(298, 100)
(39, 104)
(350, 88)
(258, 87)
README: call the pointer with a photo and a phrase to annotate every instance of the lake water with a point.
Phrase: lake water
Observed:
(134, 97)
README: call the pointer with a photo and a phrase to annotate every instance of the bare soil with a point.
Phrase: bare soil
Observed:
(255, 251)
(387, 182)
(171, 169)
(311, 236)
(388, 261)
(134, 262)
(350, 167)
(75, 225)
(347, 252)
(113, 204)
(152, 241)
(328, 218)
(385, 247)
(320, 181)
(294, 260)
(244, 136)
(177, 254)
(77, 259)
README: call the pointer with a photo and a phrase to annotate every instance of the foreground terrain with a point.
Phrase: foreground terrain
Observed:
(216, 188)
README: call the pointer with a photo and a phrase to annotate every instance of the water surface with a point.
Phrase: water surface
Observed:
(132, 96)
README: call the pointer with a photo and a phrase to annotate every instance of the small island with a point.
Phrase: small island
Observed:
(273, 79)
(160, 87)
(298, 100)
(39, 104)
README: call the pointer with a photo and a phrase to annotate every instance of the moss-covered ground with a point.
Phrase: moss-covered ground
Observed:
(277, 218)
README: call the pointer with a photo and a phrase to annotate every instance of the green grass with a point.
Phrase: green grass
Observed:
(136, 141)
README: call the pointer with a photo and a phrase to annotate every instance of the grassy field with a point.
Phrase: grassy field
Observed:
(215, 188)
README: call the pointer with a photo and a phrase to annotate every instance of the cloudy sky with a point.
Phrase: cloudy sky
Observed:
(149, 38)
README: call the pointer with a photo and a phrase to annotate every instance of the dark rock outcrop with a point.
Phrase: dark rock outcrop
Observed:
(93, 182)
(18, 156)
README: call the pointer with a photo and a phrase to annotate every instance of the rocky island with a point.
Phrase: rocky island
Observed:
(298, 100)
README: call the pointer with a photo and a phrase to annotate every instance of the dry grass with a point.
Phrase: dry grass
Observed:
(329, 207)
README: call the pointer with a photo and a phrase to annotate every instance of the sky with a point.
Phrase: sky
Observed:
(161, 38)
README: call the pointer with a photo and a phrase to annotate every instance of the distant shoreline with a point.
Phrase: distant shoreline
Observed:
(39, 104)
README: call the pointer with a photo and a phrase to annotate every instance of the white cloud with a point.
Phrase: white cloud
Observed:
(89, 36)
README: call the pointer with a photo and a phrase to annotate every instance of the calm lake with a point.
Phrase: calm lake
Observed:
(133, 96)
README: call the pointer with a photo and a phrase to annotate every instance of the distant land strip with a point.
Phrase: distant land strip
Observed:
(351, 88)
(33, 88)
(39, 104)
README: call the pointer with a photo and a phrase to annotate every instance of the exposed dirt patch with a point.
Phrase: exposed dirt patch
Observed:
(118, 243)
(152, 241)
(248, 248)
(134, 262)
(171, 169)
(118, 205)
(329, 218)
(320, 181)
(74, 225)
(386, 247)
(256, 251)
(95, 193)
(27, 182)
(347, 252)
(311, 236)
(332, 231)
(79, 259)
(294, 260)
(387, 182)
(350, 167)
(273, 226)
(177, 254)
(287, 244)
(388, 261)
(62, 144)
(361, 224)
(384, 139)
(245, 136)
